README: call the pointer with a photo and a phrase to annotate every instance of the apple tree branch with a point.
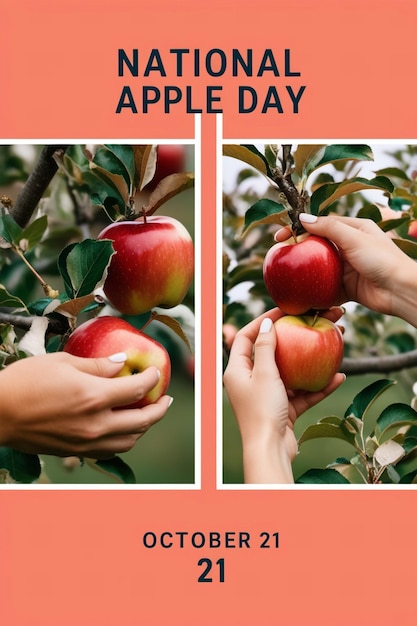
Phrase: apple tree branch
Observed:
(36, 185)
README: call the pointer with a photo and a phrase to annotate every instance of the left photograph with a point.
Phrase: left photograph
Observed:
(97, 314)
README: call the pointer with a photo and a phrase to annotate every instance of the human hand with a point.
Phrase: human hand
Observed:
(377, 273)
(264, 409)
(63, 405)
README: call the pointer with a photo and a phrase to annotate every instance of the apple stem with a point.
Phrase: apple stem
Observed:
(151, 318)
(316, 315)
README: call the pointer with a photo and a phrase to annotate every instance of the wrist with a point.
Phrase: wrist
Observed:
(266, 460)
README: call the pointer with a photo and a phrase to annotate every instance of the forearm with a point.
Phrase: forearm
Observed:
(265, 461)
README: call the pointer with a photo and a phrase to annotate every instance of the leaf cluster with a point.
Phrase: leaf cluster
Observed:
(387, 454)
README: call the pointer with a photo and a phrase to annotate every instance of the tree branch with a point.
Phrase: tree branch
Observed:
(55, 326)
(378, 364)
(36, 185)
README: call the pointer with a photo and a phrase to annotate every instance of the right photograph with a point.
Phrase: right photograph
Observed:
(319, 313)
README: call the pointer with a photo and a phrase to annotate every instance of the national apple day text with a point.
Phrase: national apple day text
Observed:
(205, 96)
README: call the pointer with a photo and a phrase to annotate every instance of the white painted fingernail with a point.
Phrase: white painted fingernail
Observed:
(171, 400)
(119, 357)
(308, 218)
(266, 325)
(159, 373)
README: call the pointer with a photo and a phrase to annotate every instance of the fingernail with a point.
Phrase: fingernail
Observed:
(171, 400)
(266, 325)
(119, 357)
(158, 373)
(308, 218)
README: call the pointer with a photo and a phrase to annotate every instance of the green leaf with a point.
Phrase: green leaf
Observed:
(250, 155)
(8, 300)
(322, 476)
(339, 152)
(103, 192)
(409, 479)
(393, 417)
(364, 399)
(117, 468)
(83, 266)
(409, 247)
(33, 233)
(271, 154)
(395, 172)
(245, 174)
(401, 341)
(370, 212)
(328, 193)
(22, 467)
(348, 470)
(327, 429)
(10, 230)
(387, 225)
(126, 157)
(308, 158)
(265, 212)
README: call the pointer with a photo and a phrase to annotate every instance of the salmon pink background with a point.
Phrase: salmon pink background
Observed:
(76, 556)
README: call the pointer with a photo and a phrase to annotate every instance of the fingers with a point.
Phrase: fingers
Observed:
(333, 314)
(135, 421)
(104, 367)
(305, 401)
(346, 232)
(120, 430)
(342, 230)
(242, 348)
(127, 389)
(264, 350)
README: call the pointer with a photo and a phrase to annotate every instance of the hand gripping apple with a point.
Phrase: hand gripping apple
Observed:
(153, 264)
(104, 336)
(303, 275)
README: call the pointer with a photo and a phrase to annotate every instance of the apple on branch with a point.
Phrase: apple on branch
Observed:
(153, 264)
(107, 335)
(303, 274)
(309, 351)
(170, 159)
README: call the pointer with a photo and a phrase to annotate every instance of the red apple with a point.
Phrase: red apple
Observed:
(412, 229)
(153, 264)
(303, 275)
(309, 351)
(170, 159)
(104, 336)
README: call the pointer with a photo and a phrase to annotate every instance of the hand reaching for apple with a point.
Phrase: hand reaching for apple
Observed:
(377, 273)
(63, 405)
(264, 409)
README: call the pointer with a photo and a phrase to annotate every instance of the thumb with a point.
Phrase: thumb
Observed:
(104, 367)
(264, 349)
(338, 229)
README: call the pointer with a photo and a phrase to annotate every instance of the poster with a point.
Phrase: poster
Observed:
(204, 552)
